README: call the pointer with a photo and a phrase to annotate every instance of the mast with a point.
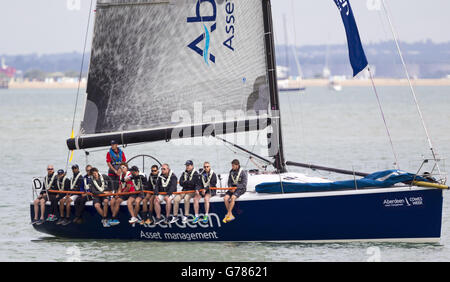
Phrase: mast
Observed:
(275, 141)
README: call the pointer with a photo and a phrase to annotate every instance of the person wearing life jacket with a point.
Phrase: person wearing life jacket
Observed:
(125, 186)
(54, 198)
(167, 183)
(209, 180)
(80, 202)
(64, 184)
(100, 185)
(139, 184)
(114, 158)
(61, 185)
(76, 185)
(148, 201)
(189, 180)
(238, 179)
(49, 184)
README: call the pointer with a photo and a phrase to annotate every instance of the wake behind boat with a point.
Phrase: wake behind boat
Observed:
(177, 57)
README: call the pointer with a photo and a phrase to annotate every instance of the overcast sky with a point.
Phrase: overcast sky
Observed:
(49, 26)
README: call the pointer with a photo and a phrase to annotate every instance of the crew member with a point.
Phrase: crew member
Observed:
(80, 202)
(100, 187)
(148, 201)
(114, 158)
(238, 179)
(189, 180)
(62, 184)
(167, 184)
(65, 184)
(140, 184)
(49, 184)
(125, 186)
(209, 180)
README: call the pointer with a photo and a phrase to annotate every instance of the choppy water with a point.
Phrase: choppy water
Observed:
(339, 129)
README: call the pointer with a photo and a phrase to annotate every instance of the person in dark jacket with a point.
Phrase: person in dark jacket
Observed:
(80, 202)
(140, 184)
(49, 184)
(208, 179)
(189, 180)
(149, 200)
(69, 185)
(62, 184)
(237, 179)
(167, 184)
(100, 186)
(54, 197)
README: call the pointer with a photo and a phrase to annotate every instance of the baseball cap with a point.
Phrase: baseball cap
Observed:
(114, 142)
(60, 171)
(134, 168)
(75, 166)
(189, 162)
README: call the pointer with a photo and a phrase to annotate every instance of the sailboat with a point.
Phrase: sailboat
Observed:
(169, 54)
(333, 83)
(285, 82)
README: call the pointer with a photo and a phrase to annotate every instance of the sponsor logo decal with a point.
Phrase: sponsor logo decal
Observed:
(189, 231)
(204, 19)
(206, 15)
(403, 202)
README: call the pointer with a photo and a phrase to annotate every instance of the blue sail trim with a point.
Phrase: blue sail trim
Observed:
(358, 58)
(205, 51)
(381, 179)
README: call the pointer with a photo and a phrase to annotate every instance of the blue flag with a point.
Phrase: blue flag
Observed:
(358, 59)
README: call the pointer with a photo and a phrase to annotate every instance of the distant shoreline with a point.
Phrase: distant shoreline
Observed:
(304, 83)
(45, 85)
(380, 82)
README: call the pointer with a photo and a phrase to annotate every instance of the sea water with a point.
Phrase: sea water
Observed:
(337, 129)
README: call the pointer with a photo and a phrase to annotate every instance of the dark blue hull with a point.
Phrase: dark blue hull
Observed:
(385, 214)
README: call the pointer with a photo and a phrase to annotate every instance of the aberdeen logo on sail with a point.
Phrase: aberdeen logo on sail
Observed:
(209, 25)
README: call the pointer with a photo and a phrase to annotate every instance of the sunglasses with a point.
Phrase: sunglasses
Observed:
(206, 166)
(154, 170)
(50, 169)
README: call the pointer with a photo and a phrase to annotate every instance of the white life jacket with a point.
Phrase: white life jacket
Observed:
(102, 187)
(206, 183)
(235, 180)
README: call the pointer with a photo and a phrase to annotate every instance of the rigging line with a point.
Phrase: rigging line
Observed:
(81, 74)
(384, 118)
(300, 73)
(253, 148)
(394, 34)
(294, 46)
